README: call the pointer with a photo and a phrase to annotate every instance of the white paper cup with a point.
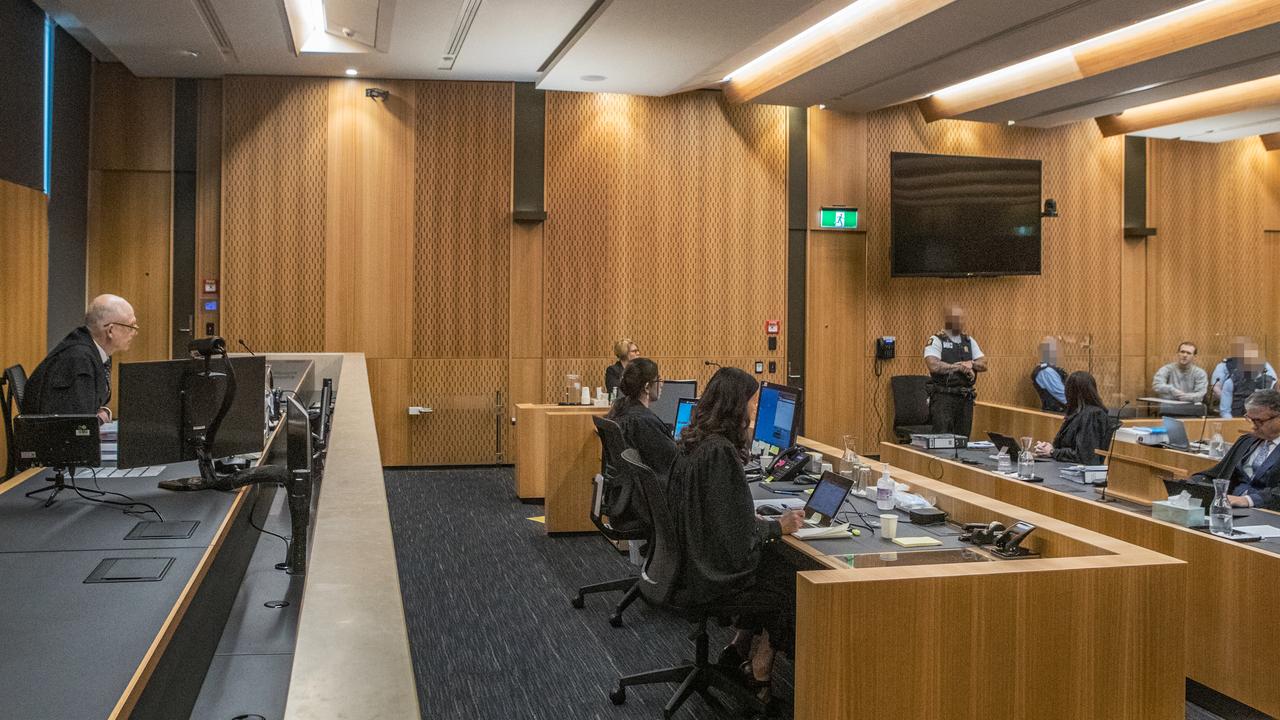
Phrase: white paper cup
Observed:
(889, 526)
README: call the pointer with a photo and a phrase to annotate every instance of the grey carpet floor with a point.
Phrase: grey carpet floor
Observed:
(486, 598)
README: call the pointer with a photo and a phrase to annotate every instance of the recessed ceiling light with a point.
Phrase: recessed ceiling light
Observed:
(1011, 122)
(191, 53)
(822, 106)
(352, 72)
(593, 78)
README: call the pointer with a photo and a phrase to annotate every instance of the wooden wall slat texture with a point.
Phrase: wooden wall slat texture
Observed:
(273, 212)
(1076, 297)
(666, 223)
(1211, 267)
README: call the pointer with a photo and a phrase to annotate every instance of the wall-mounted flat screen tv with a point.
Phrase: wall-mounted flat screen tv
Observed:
(957, 216)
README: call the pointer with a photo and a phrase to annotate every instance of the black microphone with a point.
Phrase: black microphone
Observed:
(712, 362)
(246, 347)
(1204, 423)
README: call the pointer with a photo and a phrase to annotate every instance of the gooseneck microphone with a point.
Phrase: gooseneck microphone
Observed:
(1111, 446)
(712, 363)
(246, 347)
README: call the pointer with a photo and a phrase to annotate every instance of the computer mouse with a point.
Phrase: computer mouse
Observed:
(769, 510)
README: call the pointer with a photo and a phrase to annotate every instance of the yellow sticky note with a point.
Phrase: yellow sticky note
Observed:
(539, 519)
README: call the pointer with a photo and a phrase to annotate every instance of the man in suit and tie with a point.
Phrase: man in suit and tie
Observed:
(75, 378)
(1252, 465)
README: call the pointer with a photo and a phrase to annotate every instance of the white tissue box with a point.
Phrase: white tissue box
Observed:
(1186, 516)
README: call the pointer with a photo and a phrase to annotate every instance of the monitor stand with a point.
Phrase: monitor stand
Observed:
(60, 479)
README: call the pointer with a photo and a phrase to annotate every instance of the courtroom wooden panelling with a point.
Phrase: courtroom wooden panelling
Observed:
(24, 297)
(1219, 572)
(1076, 297)
(208, 198)
(389, 389)
(273, 212)
(834, 399)
(462, 219)
(837, 155)
(666, 223)
(128, 252)
(526, 290)
(468, 421)
(1208, 201)
(369, 219)
(132, 120)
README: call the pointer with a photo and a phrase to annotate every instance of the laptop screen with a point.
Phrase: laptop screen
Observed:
(667, 403)
(828, 495)
(684, 411)
(1175, 432)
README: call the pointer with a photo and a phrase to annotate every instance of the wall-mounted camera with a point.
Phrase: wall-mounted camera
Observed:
(377, 93)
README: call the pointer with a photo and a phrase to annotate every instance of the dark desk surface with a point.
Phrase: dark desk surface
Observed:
(870, 541)
(70, 649)
(1050, 470)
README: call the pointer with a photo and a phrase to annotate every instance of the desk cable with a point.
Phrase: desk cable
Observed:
(130, 504)
(854, 508)
(252, 509)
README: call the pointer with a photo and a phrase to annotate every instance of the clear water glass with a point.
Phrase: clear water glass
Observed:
(1003, 463)
(862, 477)
(1026, 465)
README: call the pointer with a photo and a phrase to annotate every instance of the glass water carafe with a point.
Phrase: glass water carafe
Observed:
(849, 460)
(1220, 509)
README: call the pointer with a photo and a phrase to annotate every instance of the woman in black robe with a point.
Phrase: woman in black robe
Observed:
(722, 537)
(1086, 428)
(640, 386)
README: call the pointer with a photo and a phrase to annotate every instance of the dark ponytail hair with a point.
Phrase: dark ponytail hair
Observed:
(639, 373)
(1081, 389)
(722, 410)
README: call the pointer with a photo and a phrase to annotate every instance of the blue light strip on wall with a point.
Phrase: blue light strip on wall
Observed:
(48, 102)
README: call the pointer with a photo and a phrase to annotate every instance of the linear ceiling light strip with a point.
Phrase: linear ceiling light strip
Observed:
(1210, 103)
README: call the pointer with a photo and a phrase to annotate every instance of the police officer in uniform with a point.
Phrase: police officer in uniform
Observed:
(1050, 380)
(954, 360)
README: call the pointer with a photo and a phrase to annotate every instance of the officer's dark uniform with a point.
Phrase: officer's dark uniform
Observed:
(951, 393)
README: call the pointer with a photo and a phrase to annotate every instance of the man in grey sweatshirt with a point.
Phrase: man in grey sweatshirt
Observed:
(1182, 379)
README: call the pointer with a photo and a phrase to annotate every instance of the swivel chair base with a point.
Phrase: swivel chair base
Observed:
(701, 677)
(629, 584)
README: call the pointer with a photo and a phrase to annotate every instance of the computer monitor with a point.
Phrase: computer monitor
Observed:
(57, 441)
(684, 411)
(672, 392)
(153, 425)
(776, 413)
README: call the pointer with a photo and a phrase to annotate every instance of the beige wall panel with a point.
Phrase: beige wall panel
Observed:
(369, 220)
(666, 223)
(1208, 202)
(1076, 297)
(132, 120)
(24, 245)
(837, 171)
(462, 225)
(273, 212)
(208, 198)
(389, 388)
(834, 336)
(128, 252)
(526, 290)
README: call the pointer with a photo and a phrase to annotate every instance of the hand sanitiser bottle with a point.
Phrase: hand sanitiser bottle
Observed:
(884, 490)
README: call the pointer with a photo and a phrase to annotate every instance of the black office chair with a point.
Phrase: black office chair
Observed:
(15, 387)
(616, 512)
(663, 567)
(910, 406)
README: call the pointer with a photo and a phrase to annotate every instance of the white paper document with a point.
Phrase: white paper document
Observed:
(1262, 531)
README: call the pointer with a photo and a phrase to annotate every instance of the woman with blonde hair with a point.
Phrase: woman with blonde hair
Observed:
(625, 351)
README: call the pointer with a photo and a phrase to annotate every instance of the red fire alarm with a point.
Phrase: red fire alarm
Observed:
(772, 327)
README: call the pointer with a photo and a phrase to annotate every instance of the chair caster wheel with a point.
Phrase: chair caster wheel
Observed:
(579, 602)
(615, 620)
(618, 696)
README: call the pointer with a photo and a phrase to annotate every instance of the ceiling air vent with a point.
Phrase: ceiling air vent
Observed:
(211, 21)
(461, 26)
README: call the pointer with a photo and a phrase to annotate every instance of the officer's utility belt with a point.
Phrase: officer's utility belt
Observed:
(967, 393)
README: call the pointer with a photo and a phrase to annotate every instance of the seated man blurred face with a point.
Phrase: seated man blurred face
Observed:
(1049, 350)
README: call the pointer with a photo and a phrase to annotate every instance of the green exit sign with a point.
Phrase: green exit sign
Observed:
(838, 218)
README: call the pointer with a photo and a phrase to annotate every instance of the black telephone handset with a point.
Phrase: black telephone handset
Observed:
(788, 466)
(1008, 543)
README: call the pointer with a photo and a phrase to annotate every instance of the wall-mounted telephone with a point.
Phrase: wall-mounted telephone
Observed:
(885, 347)
(788, 466)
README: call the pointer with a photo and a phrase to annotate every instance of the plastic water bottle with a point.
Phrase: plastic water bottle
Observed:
(884, 490)
(1220, 510)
